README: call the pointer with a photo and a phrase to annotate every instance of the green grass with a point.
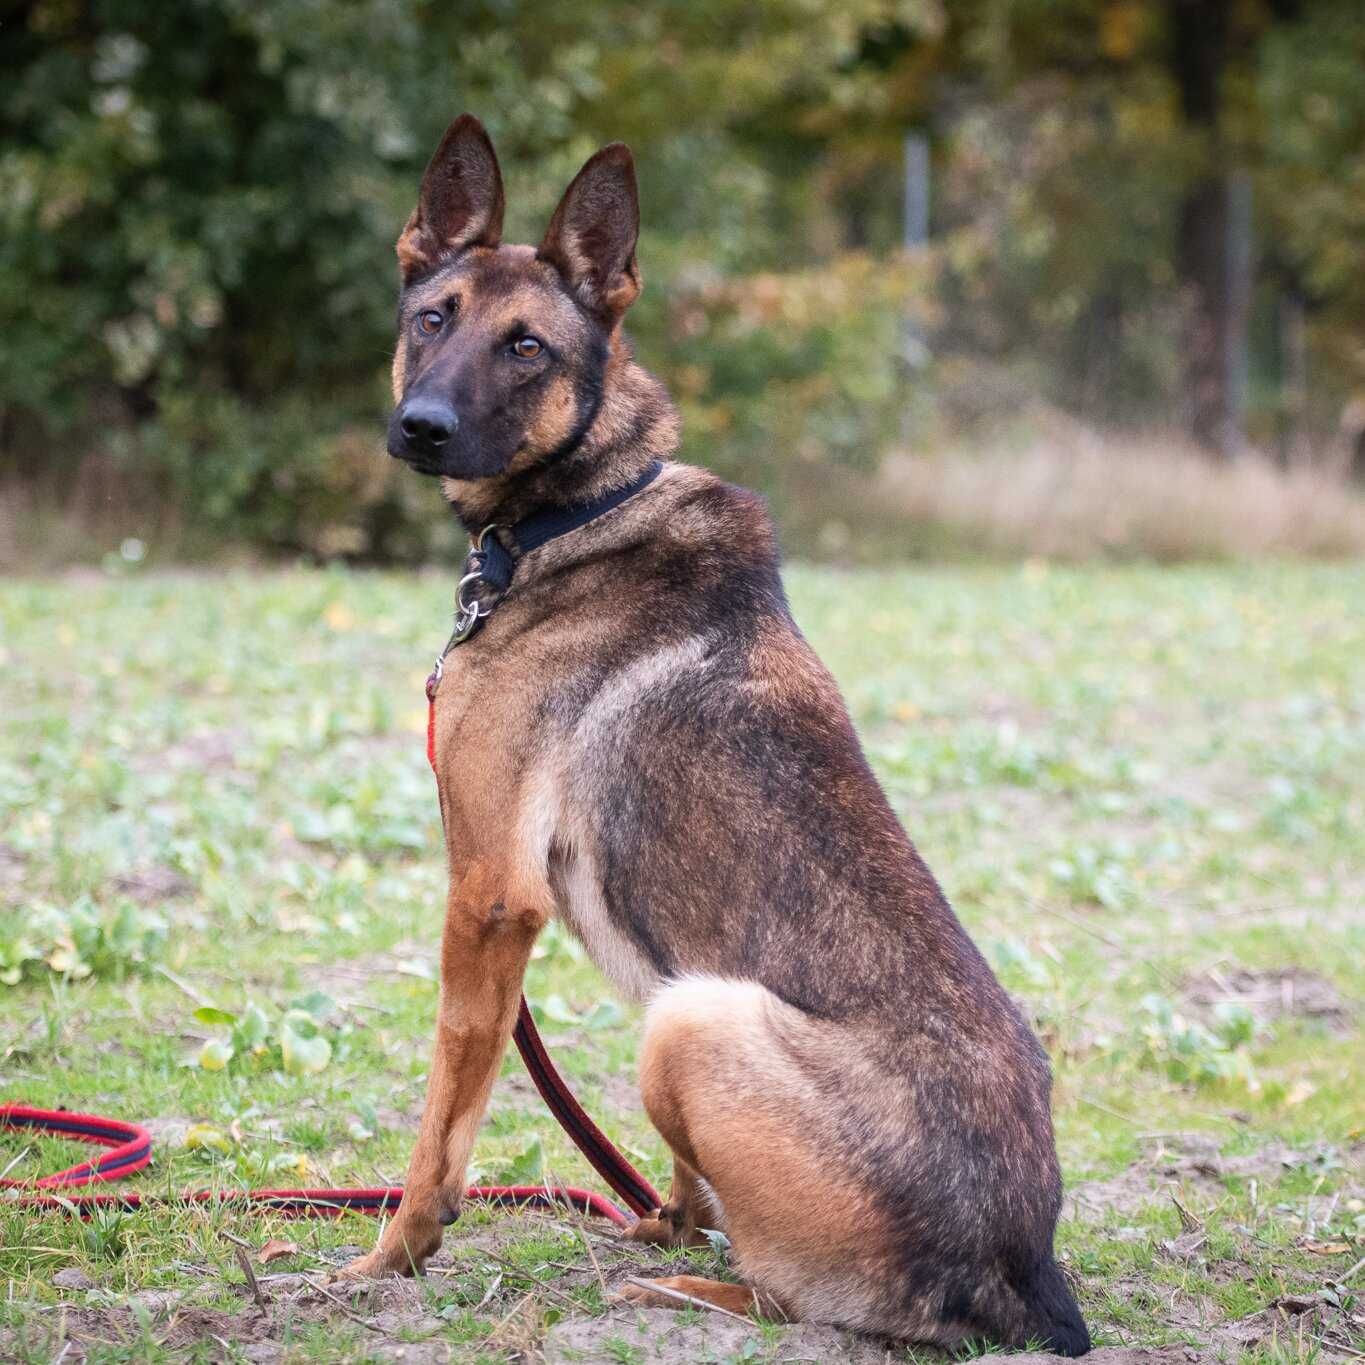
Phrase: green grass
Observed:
(213, 791)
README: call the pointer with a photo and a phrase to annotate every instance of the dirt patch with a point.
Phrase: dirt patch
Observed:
(1302, 1321)
(655, 1334)
(658, 1335)
(152, 885)
(391, 1317)
(12, 867)
(1114, 1355)
(210, 750)
(1277, 993)
(1179, 1161)
(620, 1094)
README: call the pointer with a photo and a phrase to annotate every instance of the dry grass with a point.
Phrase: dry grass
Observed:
(1063, 491)
(1077, 495)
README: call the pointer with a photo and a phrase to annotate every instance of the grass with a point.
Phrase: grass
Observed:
(1140, 787)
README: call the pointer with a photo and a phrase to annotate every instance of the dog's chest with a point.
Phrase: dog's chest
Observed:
(521, 760)
(555, 841)
(583, 907)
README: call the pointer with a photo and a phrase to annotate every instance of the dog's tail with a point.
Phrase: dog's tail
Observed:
(1051, 1315)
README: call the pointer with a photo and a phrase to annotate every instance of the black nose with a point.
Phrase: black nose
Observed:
(429, 420)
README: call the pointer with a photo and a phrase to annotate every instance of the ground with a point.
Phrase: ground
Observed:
(1140, 787)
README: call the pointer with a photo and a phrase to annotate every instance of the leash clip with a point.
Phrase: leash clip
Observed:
(468, 613)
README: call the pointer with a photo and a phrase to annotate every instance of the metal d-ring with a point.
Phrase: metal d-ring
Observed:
(475, 608)
(468, 614)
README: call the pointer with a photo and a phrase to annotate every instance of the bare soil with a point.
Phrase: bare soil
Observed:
(1283, 992)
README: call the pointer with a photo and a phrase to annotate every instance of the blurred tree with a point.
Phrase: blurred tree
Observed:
(198, 202)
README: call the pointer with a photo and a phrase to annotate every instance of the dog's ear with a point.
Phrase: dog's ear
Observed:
(591, 238)
(461, 200)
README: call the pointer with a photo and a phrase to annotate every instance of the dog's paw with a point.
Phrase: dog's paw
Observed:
(372, 1266)
(665, 1229)
(381, 1264)
(653, 1230)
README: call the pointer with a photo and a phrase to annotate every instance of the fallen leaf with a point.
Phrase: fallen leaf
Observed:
(215, 1054)
(204, 1137)
(276, 1249)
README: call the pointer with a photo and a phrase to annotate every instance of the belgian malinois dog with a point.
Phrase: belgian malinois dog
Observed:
(639, 740)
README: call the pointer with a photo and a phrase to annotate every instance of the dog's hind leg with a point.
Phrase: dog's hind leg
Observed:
(733, 1298)
(738, 1111)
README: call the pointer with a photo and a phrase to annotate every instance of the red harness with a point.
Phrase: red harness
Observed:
(130, 1146)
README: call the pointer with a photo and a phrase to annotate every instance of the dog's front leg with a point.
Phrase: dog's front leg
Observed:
(489, 931)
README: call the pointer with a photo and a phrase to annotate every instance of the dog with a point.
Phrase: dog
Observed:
(639, 740)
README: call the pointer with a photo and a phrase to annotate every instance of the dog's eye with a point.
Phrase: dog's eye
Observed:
(429, 322)
(527, 348)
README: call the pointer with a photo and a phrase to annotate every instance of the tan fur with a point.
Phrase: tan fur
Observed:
(678, 1223)
(717, 1084)
(552, 427)
(493, 916)
(733, 1298)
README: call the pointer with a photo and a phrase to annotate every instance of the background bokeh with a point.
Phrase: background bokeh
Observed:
(1134, 229)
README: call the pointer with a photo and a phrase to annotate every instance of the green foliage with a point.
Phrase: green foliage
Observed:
(78, 940)
(105, 1234)
(298, 1042)
(198, 205)
(773, 370)
(1191, 1053)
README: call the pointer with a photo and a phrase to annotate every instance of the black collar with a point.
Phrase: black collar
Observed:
(491, 564)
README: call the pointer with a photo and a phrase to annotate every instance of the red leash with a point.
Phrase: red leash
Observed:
(130, 1147)
(130, 1150)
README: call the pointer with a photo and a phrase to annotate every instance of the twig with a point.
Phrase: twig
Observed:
(489, 1292)
(526, 1301)
(578, 1220)
(15, 1162)
(1188, 1222)
(526, 1277)
(244, 1261)
(354, 1316)
(1108, 940)
(179, 981)
(655, 1287)
(1105, 1109)
(1353, 1272)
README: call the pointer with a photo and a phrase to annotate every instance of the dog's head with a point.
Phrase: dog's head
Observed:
(502, 350)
